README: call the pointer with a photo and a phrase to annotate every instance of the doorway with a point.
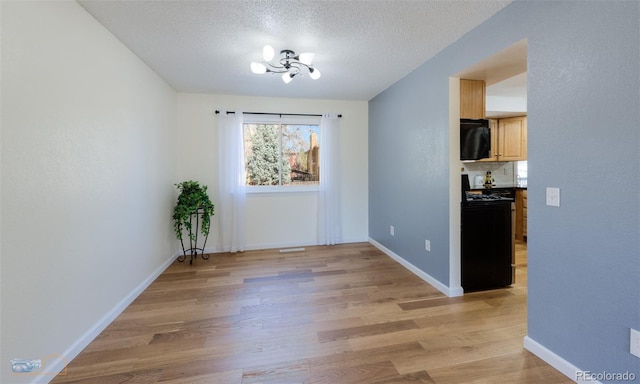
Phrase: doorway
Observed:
(505, 75)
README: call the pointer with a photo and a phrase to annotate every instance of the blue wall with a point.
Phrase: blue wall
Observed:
(584, 137)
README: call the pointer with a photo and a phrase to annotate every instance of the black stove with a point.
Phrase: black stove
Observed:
(487, 197)
(486, 239)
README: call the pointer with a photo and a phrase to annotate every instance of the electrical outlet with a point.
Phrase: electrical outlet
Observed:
(392, 231)
(553, 197)
(427, 245)
(634, 341)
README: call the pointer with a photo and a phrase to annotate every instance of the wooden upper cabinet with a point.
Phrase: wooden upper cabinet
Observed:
(508, 139)
(472, 99)
(512, 139)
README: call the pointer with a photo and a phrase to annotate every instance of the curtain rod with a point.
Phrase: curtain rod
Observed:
(273, 113)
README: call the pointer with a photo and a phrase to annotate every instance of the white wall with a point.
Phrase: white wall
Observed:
(277, 220)
(87, 166)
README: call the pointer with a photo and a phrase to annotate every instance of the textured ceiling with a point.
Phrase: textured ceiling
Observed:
(361, 47)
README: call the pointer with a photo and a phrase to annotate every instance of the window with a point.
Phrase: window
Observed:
(281, 154)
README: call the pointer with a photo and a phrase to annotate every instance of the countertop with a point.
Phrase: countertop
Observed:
(501, 186)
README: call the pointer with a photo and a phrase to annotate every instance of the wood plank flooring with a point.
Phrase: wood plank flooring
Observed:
(337, 315)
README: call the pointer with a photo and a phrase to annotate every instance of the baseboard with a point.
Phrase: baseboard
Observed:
(455, 291)
(257, 247)
(418, 272)
(265, 246)
(557, 362)
(206, 250)
(50, 371)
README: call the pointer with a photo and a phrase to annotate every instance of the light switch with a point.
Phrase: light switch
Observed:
(634, 342)
(553, 197)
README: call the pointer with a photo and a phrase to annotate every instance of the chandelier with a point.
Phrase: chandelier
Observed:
(290, 64)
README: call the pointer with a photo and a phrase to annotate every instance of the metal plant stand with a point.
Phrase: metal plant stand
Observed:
(193, 240)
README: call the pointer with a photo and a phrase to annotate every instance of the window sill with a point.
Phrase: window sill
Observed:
(282, 189)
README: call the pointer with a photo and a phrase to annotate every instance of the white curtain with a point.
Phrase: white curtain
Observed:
(329, 212)
(232, 190)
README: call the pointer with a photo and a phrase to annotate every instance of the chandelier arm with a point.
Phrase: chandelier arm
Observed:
(294, 67)
(300, 63)
(276, 69)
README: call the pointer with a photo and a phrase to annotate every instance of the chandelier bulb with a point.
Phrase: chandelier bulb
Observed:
(258, 68)
(268, 52)
(314, 73)
(306, 58)
(287, 77)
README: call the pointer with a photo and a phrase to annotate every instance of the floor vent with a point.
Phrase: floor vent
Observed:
(287, 250)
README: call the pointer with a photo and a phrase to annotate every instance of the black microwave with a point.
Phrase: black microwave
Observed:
(475, 139)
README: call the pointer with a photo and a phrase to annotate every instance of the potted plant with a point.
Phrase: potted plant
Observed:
(193, 205)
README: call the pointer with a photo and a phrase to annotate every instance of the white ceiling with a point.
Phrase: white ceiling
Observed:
(361, 47)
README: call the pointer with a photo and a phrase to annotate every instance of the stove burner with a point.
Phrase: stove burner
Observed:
(483, 197)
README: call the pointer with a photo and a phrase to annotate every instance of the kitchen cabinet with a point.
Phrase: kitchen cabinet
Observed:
(472, 99)
(521, 214)
(512, 139)
(508, 139)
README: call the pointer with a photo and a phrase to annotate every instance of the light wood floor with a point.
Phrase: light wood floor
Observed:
(336, 315)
